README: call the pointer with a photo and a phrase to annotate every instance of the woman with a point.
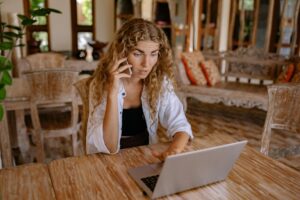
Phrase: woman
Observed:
(131, 91)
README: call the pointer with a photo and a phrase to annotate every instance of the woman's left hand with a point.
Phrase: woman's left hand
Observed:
(177, 146)
(163, 155)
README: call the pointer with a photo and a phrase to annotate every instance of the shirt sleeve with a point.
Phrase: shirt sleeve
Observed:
(94, 138)
(171, 114)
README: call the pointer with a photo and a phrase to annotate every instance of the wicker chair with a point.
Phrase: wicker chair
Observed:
(283, 114)
(53, 88)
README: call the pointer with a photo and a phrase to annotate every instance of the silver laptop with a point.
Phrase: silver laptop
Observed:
(187, 170)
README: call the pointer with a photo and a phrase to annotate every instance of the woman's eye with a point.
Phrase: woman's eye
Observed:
(154, 54)
(137, 54)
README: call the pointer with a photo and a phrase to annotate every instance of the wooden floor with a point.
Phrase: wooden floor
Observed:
(241, 124)
(209, 119)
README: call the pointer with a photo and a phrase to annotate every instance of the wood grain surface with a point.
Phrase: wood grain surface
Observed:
(100, 176)
(30, 181)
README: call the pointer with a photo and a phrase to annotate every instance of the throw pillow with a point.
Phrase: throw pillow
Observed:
(191, 62)
(286, 74)
(211, 72)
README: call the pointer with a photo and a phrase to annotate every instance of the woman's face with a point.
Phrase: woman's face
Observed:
(143, 57)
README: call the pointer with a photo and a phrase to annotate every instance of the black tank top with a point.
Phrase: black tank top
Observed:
(134, 128)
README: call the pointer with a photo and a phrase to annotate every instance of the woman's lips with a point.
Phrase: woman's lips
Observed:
(142, 71)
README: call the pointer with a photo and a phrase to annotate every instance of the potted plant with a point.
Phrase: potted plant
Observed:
(9, 37)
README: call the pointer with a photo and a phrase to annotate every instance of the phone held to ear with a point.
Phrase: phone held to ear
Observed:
(127, 71)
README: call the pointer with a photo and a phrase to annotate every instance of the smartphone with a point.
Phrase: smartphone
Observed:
(127, 71)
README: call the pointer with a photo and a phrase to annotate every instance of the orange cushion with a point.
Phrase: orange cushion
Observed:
(296, 77)
(191, 62)
(286, 74)
(211, 72)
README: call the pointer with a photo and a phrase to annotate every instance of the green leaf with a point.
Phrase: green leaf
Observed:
(23, 17)
(43, 11)
(6, 78)
(7, 37)
(2, 93)
(14, 27)
(1, 112)
(12, 34)
(53, 10)
(39, 12)
(5, 64)
(28, 22)
(6, 45)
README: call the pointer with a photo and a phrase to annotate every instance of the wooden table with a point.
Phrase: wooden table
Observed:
(30, 181)
(100, 176)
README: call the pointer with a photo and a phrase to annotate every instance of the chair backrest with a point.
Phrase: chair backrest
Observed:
(283, 111)
(82, 87)
(46, 60)
(40, 61)
(53, 87)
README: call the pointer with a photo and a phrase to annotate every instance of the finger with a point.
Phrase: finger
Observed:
(123, 68)
(116, 65)
(120, 61)
(157, 155)
(122, 75)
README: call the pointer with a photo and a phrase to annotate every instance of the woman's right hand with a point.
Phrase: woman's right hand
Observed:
(116, 73)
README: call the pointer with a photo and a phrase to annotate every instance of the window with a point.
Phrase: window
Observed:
(37, 35)
(83, 29)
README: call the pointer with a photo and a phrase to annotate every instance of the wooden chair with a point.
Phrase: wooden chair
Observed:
(35, 61)
(283, 114)
(82, 87)
(52, 88)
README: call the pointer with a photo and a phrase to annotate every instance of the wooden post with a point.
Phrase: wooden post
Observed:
(242, 26)
(255, 23)
(200, 28)
(269, 26)
(224, 25)
(231, 25)
(217, 34)
(296, 29)
(207, 22)
(189, 23)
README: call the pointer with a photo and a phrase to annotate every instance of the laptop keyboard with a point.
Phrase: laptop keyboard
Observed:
(150, 181)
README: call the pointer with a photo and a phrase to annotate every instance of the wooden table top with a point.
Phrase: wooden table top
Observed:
(100, 176)
(31, 181)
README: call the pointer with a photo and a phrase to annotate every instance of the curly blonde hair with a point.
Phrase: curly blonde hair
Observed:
(126, 39)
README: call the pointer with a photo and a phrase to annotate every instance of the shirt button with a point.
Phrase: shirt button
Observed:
(123, 94)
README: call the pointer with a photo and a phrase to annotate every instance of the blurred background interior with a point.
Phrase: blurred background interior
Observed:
(217, 28)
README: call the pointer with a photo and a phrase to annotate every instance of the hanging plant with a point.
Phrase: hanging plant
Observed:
(9, 37)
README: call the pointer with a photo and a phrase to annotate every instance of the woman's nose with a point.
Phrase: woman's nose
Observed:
(146, 61)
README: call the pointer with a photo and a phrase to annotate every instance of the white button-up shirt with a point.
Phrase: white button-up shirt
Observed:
(169, 113)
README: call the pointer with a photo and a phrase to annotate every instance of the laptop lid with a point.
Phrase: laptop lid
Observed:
(189, 170)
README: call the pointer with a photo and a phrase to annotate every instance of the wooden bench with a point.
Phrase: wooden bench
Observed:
(245, 74)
